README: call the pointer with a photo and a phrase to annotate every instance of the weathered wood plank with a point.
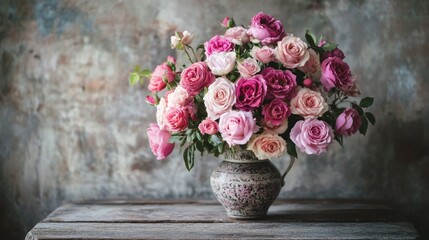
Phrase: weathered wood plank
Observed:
(93, 231)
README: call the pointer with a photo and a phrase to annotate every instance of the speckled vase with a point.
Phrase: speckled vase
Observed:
(246, 186)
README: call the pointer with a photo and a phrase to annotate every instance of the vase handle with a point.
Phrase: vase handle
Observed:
(292, 160)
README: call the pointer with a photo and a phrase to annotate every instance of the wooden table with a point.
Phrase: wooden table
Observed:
(287, 219)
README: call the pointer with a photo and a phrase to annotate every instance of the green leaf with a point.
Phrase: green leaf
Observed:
(291, 148)
(366, 102)
(358, 109)
(199, 136)
(364, 126)
(370, 117)
(134, 78)
(188, 157)
(329, 46)
(215, 139)
(339, 139)
(221, 148)
(137, 69)
(146, 73)
(311, 38)
(175, 139)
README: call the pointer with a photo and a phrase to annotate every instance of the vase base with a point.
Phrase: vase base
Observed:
(252, 217)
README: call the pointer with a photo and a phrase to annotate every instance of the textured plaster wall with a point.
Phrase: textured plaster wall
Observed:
(71, 128)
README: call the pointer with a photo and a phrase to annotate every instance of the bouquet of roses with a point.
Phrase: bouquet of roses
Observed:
(258, 89)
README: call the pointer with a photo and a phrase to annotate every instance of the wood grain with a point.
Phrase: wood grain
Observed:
(293, 219)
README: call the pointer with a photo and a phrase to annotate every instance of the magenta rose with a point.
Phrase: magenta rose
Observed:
(336, 73)
(348, 122)
(334, 53)
(158, 141)
(176, 119)
(196, 77)
(275, 112)
(208, 126)
(266, 29)
(236, 127)
(312, 136)
(218, 44)
(250, 92)
(162, 73)
(281, 84)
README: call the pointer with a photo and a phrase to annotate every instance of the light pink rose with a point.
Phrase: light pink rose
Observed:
(248, 67)
(161, 108)
(218, 44)
(237, 35)
(171, 60)
(176, 119)
(264, 54)
(312, 136)
(237, 127)
(267, 146)
(348, 122)
(196, 77)
(179, 97)
(162, 74)
(280, 129)
(219, 98)
(158, 141)
(275, 112)
(292, 52)
(208, 126)
(308, 104)
(181, 39)
(312, 66)
(221, 63)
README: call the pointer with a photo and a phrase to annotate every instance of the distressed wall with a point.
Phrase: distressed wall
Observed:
(71, 128)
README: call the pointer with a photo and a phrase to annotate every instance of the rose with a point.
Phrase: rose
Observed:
(275, 112)
(292, 52)
(236, 127)
(250, 92)
(237, 35)
(179, 97)
(348, 122)
(312, 136)
(308, 103)
(196, 77)
(160, 112)
(267, 146)
(162, 74)
(280, 84)
(334, 53)
(219, 98)
(280, 129)
(158, 141)
(308, 82)
(248, 67)
(336, 73)
(176, 119)
(208, 126)
(264, 54)
(151, 100)
(225, 22)
(312, 65)
(179, 40)
(218, 44)
(221, 63)
(266, 29)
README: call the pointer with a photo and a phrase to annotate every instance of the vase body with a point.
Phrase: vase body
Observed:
(246, 186)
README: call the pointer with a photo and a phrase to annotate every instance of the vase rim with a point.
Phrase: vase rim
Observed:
(242, 156)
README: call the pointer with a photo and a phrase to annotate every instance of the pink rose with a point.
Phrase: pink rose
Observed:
(221, 63)
(237, 35)
(308, 82)
(312, 66)
(236, 127)
(196, 77)
(225, 22)
(179, 97)
(218, 44)
(312, 136)
(308, 104)
(162, 74)
(158, 141)
(292, 52)
(219, 98)
(280, 129)
(334, 53)
(266, 29)
(248, 67)
(275, 112)
(336, 73)
(171, 60)
(250, 92)
(151, 100)
(264, 54)
(208, 126)
(281, 84)
(267, 146)
(348, 122)
(176, 119)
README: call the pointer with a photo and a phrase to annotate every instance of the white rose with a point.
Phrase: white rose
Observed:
(161, 108)
(219, 98)
(221, 63)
